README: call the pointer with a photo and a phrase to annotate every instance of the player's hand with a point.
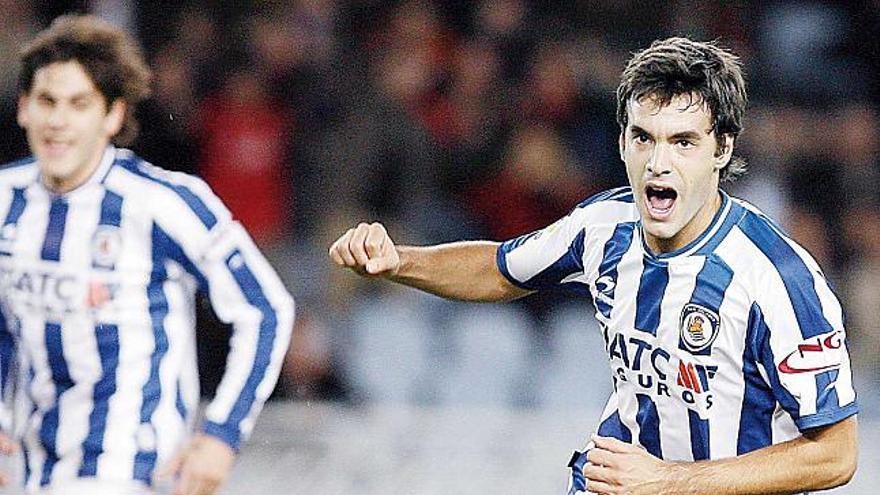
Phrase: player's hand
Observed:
(368, 250)
(201, 467)
(8, 446)
(616, 468)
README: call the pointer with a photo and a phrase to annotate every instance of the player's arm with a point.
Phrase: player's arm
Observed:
(460, 270)
(822, 458)
(8, 445)
(202, 237)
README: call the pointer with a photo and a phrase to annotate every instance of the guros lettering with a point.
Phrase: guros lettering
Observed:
(650, 368)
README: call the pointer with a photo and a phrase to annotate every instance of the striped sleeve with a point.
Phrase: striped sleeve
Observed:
(553, 257)
(798, 332)
(7, 356)
(244, 291)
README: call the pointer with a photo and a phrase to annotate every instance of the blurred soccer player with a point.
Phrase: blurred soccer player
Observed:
(725, 342)
(100, 256)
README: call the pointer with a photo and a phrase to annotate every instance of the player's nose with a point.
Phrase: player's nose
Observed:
(659, 162)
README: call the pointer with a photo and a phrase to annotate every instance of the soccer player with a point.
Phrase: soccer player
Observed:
(101, 254)
(725, 341)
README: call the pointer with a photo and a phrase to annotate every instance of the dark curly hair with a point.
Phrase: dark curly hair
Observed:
(109, 56)
(680, 66)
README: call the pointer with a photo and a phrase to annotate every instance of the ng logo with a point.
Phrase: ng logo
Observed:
(820, 353)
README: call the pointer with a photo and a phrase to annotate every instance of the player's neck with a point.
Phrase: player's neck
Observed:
(691, 231)
(82, 174)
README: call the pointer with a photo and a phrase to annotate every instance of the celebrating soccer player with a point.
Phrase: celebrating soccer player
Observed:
(100, 257)
(725, 341)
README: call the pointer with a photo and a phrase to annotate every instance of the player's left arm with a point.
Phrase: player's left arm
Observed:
(8, 445)
(821, 458)
(246, 292)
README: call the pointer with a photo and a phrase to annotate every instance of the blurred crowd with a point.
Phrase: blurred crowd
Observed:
(454, 120)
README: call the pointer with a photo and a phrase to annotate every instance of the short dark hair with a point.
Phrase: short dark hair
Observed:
(109, 56)
(680, 66)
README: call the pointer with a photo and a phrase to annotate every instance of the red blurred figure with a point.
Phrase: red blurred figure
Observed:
(244, 151)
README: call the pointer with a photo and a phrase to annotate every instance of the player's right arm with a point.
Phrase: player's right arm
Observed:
(460, 270)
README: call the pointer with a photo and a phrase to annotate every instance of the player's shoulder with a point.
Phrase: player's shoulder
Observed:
(617, 195)
(607, 207)
(18, 172)
(132, 176)
(792, 261)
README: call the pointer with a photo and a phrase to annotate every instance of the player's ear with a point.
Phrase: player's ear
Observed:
(115, 117)
(724, 152)
(621, 144)
(21, 115)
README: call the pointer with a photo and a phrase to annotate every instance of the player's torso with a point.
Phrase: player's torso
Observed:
(675, 333)
(76, 277)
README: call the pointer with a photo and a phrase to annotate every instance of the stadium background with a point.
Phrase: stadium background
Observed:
(461, 120)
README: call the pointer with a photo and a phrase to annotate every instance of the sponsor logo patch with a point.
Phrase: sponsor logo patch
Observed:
(814, 355)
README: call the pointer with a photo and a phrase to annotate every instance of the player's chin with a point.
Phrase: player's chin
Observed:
(660, 229)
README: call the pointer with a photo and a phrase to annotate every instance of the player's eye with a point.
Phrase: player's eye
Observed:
(641, 138)
(81, 103)
(685, 143)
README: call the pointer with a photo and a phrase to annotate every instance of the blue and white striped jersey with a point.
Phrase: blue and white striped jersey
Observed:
(730, 344)
(97, 289)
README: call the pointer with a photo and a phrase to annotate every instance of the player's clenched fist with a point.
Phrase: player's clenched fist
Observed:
(367, 249)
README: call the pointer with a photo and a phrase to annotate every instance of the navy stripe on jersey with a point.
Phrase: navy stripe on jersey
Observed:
(61, 379)
(7, 353)
(794, 273)
(192, 200)
(826, 392)
(166, 248)
(756, 415)
(250, 287)
(614, 427)
(55, 230)
(649, 425)
(107, 337)
(111, 209)
(178, 402)
(700, 443)
(733, 217)
(623, 194)
(711, 284)
(18, 163)
(614, 250)
(652, 286)
(19, 201)
(16, 208)
(567, 264)
(145, 459)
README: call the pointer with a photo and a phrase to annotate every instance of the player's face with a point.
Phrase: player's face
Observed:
(673, 161)
(68, 123)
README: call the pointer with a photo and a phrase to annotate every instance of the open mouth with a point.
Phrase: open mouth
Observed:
(660, 200)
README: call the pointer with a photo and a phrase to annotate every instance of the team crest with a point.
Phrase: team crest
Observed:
(698, 328)
(106, 246)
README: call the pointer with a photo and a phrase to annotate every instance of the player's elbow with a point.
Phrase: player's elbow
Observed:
(840, 471)
(840, 457)
(846, 466)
